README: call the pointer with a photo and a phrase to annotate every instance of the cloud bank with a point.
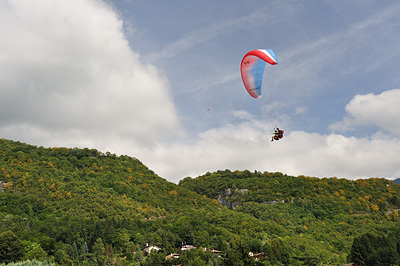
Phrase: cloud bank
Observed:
(248, 146)
(69, 75)
(382, 110)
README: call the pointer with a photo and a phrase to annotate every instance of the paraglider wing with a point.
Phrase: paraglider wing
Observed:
(252, 69)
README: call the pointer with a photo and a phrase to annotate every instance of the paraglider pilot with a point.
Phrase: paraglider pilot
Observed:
(278, 134)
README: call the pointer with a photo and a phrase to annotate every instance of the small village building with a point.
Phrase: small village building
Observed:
(150, 248)
(255, 256)
(3, 185)
(188, 247)
(212, 250)
(216, 253)
(172, 256)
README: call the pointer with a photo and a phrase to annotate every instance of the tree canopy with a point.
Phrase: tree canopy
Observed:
(71, 205)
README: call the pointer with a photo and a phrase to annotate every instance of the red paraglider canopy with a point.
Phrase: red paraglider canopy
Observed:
(252, 69)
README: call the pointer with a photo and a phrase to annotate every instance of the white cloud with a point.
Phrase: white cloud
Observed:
(382, 110)
(301, 110)
(349, 157)
(67, 72)
(245, 146)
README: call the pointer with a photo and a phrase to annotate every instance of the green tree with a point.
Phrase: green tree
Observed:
(47, 243)
(75, 251)
(29, 263)
(232, 258)
(36, 252)
(371, 250)
(97, 232)
(138, 254)
(238, 255)
(60, 256)
(362, 248)
(197, 261)
(68, 251)
(98, 251)
(10, 247)
(84, 248)
(154, 259)
(279, 252)
(311, 261)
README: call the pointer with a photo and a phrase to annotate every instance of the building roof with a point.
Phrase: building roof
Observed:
(172, 256)
(155, 246)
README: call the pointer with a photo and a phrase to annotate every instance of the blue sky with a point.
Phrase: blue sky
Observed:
(137, 77)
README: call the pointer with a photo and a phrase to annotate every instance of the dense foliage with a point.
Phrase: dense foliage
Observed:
(80, 206)
(29, 263)
(316, 219)
(369, 249)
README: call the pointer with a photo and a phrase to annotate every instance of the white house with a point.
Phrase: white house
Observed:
(148, 248)
(188, 247)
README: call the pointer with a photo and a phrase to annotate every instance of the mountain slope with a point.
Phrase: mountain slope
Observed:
(61, 198)
(74, 202)
(320, 217)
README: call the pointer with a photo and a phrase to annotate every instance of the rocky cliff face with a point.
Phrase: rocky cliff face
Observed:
(227, 198)
(224, 198)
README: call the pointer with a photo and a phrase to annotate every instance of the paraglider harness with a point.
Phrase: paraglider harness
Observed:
(278, 134)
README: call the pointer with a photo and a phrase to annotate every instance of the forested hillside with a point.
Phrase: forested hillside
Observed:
(315, 217)
(80, 206)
